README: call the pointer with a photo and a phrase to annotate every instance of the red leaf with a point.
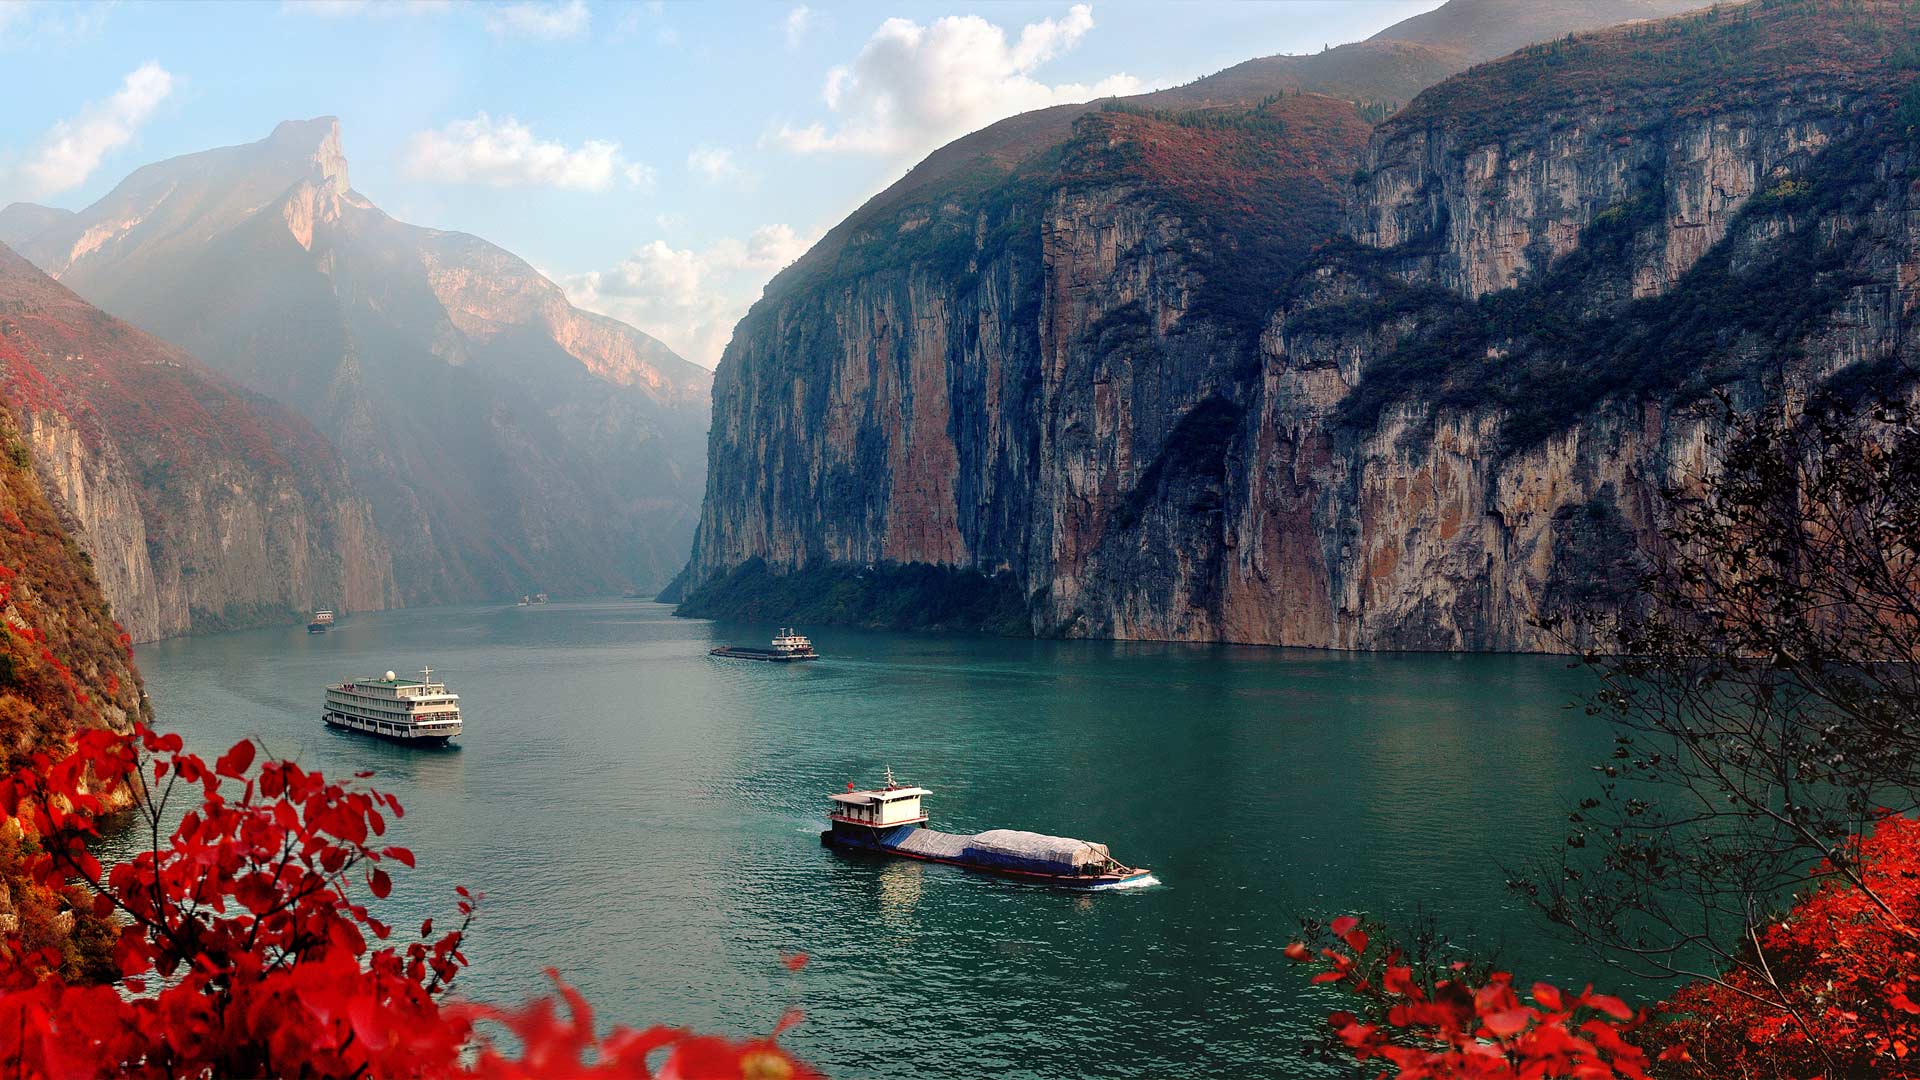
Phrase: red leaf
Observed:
(380, 883)
(1508, 1023)
(399, 853)
(1548, 997)
(1612, 1006)
(794, 961)
(1299, 953)
(236, 761)
(1345, 924)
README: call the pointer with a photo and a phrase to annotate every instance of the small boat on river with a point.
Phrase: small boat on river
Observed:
(890, 820)
(788, 647)
(322, 621)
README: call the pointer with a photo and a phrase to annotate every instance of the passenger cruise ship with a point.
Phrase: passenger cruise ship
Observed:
(418, 711)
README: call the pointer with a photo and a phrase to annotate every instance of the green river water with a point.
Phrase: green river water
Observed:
(645, 818)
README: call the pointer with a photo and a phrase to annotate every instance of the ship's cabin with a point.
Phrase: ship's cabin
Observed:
(786, 641)
(879, 808)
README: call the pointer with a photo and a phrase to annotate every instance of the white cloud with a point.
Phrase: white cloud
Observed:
(689, 298)
(379, 9)
(73, 148)
(797, 22)
(44, 22)
(915, 87)
(713, 163)
(542, 20)
(506, 153)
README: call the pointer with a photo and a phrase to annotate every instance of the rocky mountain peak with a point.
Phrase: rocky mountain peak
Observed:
(318, 140)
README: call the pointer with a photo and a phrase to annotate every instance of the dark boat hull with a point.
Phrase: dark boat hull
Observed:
(735, 652)
(428, 741)
(866, 842)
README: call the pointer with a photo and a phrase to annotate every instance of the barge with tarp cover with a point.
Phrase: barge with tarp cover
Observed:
(890, 821)
(788, 647)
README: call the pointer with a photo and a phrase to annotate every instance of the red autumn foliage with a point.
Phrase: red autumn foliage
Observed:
(1461, 1025)
(1854, 962)
(254, 914)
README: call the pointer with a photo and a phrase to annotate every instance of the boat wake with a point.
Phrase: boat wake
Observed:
(1136, 883)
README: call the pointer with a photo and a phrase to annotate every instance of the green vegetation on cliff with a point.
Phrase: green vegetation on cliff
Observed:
(886, 596)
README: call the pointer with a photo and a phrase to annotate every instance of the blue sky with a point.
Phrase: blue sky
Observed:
(660, 160)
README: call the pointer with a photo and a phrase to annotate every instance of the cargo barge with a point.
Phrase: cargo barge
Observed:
(788, 647)
(890, 821)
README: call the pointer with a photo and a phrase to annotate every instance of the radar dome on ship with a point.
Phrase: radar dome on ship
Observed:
(389, 676)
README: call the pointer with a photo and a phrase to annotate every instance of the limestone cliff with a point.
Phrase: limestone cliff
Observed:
(65, 667)
(200, 506)
(1123, 375)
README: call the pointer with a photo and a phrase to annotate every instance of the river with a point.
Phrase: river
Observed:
(645, 818)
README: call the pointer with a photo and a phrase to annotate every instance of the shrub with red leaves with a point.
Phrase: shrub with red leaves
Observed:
(1467, 1023)
(1848, 958)
(253, 913)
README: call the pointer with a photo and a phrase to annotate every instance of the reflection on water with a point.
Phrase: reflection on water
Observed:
(645, 818)
(899, 882)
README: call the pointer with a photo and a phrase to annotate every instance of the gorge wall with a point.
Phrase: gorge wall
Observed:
(199, 506)
(1256, 374)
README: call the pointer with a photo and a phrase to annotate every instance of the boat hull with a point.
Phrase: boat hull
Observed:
(338, 723)
(735, 652)
(857, 841)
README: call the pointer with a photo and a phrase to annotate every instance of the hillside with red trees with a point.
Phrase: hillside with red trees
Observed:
(1256, 189)
(66, 669)
(185, 439)
(163, 408)
(1728, 56)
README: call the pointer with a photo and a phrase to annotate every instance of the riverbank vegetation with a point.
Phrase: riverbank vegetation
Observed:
(880, 596)
(248, 942)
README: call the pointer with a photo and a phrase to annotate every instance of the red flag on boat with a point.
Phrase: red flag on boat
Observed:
(849, 785)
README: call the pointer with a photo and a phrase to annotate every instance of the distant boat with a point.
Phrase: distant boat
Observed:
(788, 647)
(322, 621)
(539, 598)
(413, 711)
(889, 820)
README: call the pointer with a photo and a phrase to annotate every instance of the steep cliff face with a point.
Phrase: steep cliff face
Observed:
(969, 405)
(1466, 416)
(1167, 419)
(200, 506)
(65, 667)
(506, 441)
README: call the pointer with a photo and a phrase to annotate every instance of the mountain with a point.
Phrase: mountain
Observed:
(201, 506)
(1378, 74)
(1251, 373)
(507, 441)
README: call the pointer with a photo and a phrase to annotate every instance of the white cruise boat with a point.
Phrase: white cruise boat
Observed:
(417, 711)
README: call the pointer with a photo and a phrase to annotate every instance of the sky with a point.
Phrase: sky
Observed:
(661, 161)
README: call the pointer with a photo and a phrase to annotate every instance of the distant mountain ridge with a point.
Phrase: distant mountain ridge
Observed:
(507, 441)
